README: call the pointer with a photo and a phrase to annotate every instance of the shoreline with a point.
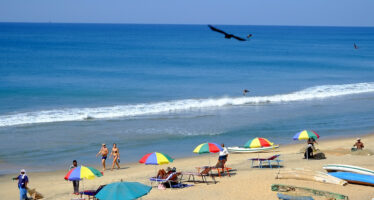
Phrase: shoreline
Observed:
(98, 166)
(52, 185)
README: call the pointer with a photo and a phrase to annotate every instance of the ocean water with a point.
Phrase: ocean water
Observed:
(67, 88)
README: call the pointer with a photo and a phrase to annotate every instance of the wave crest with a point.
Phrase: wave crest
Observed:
(77, 114)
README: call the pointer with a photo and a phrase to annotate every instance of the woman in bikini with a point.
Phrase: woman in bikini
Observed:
(115, 154)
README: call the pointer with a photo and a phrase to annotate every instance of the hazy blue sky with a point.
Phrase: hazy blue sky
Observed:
(252, 12)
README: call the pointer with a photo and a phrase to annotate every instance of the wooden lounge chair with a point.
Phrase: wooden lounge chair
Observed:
(267, 160)
(172, 178)
(219, 170)
(203, 174)
(92, 193)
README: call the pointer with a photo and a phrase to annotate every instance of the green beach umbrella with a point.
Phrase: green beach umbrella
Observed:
(123, 191)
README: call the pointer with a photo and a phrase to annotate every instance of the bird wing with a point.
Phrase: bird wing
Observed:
(217, 30)
(238, 38)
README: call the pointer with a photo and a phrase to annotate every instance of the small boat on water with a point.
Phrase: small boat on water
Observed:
(354, 178)
(251, 150)
(347, 168)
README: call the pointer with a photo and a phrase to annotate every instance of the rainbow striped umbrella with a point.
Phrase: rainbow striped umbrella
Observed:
(258, 143)
(156, 158)
(306, 134)
(208, 148)
(82, 172)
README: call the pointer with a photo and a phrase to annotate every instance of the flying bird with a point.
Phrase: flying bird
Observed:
(245, 91)
(355, 46)
(227, 35)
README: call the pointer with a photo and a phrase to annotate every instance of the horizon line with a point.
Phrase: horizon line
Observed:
(188, 24)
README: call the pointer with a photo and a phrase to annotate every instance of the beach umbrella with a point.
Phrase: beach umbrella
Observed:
(123, 191)
(306, 134)
(82, 172)
(208, 148)
(156, 158)
(258, 143)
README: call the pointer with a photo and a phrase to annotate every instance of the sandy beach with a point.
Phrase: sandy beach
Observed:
(244, 183)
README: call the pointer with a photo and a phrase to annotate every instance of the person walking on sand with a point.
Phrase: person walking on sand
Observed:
(23, 180)
(75, 183)
(115, 154)
(104, 154)
(222, 159)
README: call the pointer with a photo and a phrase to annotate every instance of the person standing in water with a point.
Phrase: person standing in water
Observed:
(115, 154)
(23, 180)
(104, 154)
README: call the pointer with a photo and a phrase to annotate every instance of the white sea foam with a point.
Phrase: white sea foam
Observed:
(76, 114)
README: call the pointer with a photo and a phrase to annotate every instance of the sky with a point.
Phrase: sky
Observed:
(236, 12)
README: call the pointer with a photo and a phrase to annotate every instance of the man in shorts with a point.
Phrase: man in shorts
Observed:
(104, 154)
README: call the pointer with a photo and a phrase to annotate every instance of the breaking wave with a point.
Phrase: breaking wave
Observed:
(77, 114)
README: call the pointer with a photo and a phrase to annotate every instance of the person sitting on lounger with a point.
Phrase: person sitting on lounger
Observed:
(162, 174)
(358, 145)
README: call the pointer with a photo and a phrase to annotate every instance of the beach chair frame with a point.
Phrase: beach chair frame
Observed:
(166, 180)
(269, 161)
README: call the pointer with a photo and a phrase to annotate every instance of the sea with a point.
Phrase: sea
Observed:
(67, 88)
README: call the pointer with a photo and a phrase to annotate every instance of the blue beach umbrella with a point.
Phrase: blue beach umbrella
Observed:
(123, 191)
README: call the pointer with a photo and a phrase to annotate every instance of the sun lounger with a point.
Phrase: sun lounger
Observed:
(172, 178)
(92, 193)
(219, 169)
(203, 174)
(267, 160)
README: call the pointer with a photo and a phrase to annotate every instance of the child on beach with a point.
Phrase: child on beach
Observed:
(23, 180)
(104, 153)
(75, 183)
(115, 154)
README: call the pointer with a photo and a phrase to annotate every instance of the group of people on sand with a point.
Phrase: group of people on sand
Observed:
(104, 155)
(310, 147)
(164, 174)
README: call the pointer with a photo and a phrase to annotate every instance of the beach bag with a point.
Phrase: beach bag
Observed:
(319, 156)
(161, 186)
(34, 194)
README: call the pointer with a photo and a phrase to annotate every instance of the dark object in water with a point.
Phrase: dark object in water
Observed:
(88, 118)
(355, 46)
(245, 91)
(227, 35)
